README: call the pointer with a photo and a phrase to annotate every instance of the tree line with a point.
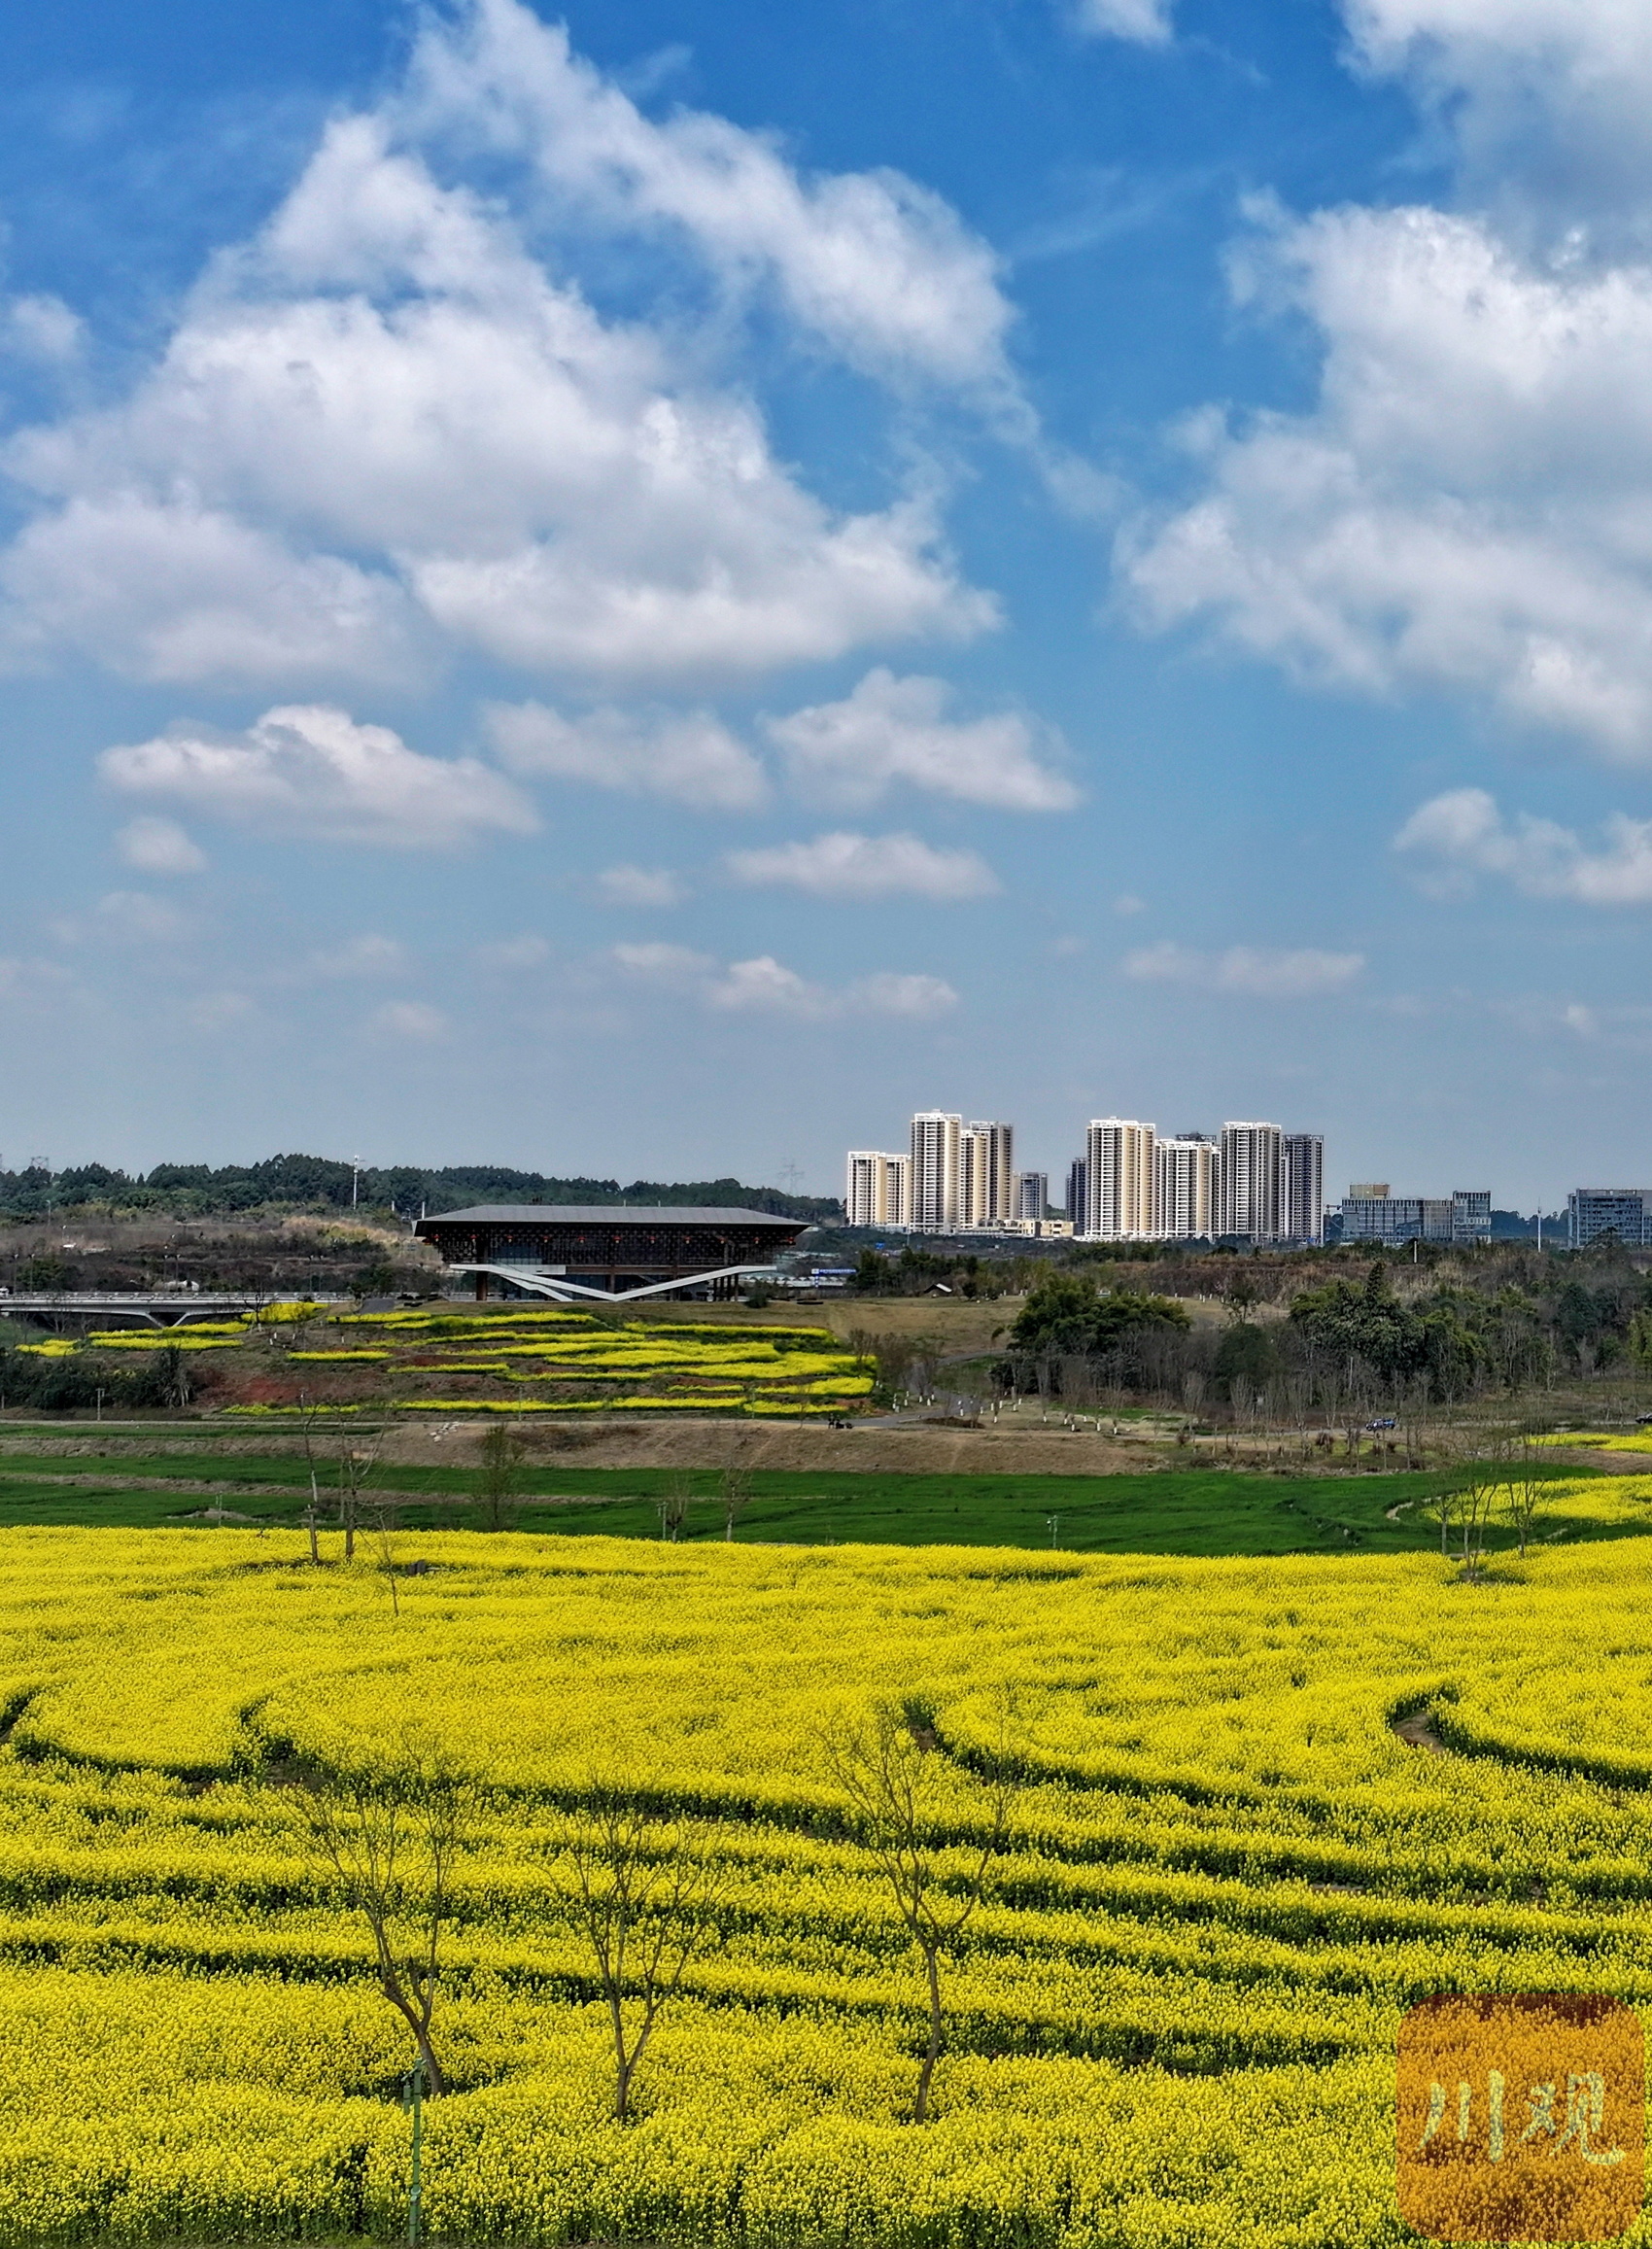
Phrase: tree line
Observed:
(321, 1184)
(1346, 1340)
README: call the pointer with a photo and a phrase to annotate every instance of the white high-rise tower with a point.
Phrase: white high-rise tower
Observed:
(936, 1171)
(1119, 1182)
(1188, 1199)
(1252, 1182)
(987, 1173)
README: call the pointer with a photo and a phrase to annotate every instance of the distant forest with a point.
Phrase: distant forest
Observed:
(316, 1183)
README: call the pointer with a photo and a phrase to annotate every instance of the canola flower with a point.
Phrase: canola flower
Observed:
(641, 1367)
(1172, 2020)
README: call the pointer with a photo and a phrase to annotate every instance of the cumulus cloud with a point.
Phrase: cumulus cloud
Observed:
(844, 865)
(1464, 506)
(688, 755)
(158, 847)
(645, 887)
(367, 955)
(765, 986)
(513, 953)
(664, 963)
(1255, 971)
(310, 770)
(1145, 21)
(135, 917)
(876, 266)
(41, 327)
(1549, 100)
(1464, 833)
(411, 1019)
(891, 730)
(389, 431)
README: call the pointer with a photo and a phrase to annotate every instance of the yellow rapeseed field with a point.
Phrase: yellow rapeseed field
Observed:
(1171, 2022)
(584, 1362)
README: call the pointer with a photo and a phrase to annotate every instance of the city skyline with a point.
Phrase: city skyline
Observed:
(607, 559)
(1255, 1181)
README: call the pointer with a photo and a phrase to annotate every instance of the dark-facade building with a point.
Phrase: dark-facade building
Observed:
(569, 1251)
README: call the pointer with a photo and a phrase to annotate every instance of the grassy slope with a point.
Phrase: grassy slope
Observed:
(1169, 1511)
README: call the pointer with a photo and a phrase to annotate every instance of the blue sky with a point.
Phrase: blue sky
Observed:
(645, 592)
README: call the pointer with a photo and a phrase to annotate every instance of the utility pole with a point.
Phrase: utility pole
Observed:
(1054, 1522)
(355, 1179)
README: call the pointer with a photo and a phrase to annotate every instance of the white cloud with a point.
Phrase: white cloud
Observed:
(389, 431)
(411, 1019)
(765, 986)
(158, 847)
(688, 755)
(1146, 22)
(1523, 80)
(218, 1011)
(664, 963)
(367, 955)
(310, 770)
(850, 866)
(513, 953)
(876, 266)
(1255, 971)
(890, 729)
(642, 887)
(135, 917)
(1465, 831)
(1465, 505)
(41, 327)
(892, 993)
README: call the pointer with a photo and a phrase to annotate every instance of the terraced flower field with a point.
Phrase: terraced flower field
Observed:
(522, 1360)
(1171, 2020)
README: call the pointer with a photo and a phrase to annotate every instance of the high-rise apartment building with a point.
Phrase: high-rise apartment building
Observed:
(1119, 1182)
(937, 1136)
(1032, 1194)
(985, 1173)
(1252, 1182)
(1187, 1187)
(1305, 1188)
(877, 1190)
(1077, 1194)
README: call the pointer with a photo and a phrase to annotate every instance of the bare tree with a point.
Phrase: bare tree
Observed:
(891, 1765)
(674, 1503)
(1473, 1503)
(1527, 1486)
(384, 1538)
(645, 1898)
(356, 1467)
(390, 1841)
(737, 1497)
(500, 1454)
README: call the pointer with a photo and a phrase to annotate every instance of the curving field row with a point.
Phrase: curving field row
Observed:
(577, 1362)
(1171, 2020)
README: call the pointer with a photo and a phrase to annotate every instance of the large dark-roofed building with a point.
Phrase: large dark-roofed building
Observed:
(567, 1251)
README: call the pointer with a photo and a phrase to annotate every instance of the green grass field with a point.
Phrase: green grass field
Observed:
(1166, 1512)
